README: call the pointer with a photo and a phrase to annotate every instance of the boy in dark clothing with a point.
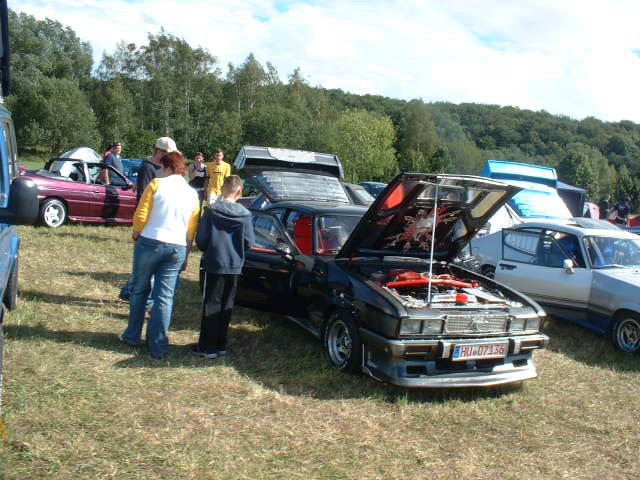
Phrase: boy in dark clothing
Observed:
(225, 232)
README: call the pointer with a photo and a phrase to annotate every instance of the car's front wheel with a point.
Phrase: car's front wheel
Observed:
(53, 213)
(342, 342)
(626, 332)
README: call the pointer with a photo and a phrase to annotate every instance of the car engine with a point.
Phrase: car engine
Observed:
(411, 288)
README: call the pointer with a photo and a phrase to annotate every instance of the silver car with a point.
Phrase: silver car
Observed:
(581, 270)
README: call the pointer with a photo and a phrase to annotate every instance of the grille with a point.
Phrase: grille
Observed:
(475, 323)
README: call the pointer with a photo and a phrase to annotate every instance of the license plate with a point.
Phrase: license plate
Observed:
(474, 351)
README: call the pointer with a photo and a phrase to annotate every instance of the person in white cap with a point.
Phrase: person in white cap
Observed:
(150, 169)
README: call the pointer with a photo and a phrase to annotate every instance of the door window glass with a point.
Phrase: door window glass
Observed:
(266, 231)
(520, 246)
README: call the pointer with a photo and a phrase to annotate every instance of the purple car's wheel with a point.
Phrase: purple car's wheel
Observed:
(626, 333)
(342, 343)
(53, 213)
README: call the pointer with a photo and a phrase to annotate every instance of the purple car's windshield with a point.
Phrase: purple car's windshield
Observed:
(333, 232)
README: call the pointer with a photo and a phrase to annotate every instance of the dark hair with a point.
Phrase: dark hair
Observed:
(199, 153)
(173, 161)
(218, 150)
(114, 145)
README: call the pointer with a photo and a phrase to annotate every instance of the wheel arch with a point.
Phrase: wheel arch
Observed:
(621, 312)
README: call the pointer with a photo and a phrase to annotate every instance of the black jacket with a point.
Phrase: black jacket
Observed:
(148, 171)
(225, 232)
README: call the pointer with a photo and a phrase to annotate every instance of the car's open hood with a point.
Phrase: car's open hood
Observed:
(254, 160)
(401, 220)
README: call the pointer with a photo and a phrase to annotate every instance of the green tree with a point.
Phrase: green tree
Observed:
(418, 138)
(580, 166)
(364, 141)
(113, 106)
(47, 48)
(53, 112)
(247, 82)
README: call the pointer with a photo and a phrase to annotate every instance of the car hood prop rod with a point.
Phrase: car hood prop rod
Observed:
(433, 237)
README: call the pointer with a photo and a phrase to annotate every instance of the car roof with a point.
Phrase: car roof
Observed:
(321, 207)
(580, 227)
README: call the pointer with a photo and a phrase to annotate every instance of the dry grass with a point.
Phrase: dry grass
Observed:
(78, 404)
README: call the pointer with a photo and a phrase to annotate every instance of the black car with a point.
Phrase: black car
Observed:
(379, 288)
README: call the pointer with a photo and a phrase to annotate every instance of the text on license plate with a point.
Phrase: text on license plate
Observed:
(474, 351)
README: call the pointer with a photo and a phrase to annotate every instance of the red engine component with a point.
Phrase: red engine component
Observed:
(410, 278)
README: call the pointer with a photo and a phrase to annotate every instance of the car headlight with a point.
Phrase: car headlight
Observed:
(533, 324)
(432, 327)
(516, 324)
(410, 325)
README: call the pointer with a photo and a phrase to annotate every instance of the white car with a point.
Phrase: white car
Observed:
(583, 270)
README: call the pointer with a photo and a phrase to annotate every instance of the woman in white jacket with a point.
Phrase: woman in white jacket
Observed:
(164, 225)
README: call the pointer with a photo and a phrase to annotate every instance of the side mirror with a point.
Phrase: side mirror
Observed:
(283, 247)
(285, 250)
(568, 265)
(22, 206)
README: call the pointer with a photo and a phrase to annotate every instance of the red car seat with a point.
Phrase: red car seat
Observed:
(302, 235)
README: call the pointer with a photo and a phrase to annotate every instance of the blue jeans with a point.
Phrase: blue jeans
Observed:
(125, 291)
(164, 261)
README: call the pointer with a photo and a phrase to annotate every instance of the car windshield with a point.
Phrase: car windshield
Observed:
(333, 231)
(610, 252)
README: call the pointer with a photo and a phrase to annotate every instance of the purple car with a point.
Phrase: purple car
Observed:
(73, 189)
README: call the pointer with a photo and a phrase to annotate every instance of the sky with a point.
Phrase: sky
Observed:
(575, 58)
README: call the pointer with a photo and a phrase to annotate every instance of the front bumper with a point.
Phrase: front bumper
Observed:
(427, 363)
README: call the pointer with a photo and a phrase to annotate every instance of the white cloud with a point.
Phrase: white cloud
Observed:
(565, 56)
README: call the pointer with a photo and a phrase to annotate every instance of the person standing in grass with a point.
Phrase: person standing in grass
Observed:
(164, 225)
(217, 171)
(225, 232)
(150, 169)
(196, 172)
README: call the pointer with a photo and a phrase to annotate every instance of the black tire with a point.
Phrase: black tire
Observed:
(626, 332)
(489, 271)
(11, 293)
(53, 213)
(342, 342)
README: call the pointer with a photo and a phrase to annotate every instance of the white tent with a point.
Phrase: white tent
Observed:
(83, 154)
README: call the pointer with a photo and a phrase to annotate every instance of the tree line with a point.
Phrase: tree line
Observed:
(167, 87)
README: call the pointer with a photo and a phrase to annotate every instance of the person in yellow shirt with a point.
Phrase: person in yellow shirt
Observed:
(217, 171)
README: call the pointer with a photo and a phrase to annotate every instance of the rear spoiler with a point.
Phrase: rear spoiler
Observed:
(254, 160)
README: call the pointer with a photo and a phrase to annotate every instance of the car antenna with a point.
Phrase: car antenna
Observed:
(433, 237)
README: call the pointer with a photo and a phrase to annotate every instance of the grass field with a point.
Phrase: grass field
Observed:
(80, 405)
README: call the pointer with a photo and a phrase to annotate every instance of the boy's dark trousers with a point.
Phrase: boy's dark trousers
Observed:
(217, 305)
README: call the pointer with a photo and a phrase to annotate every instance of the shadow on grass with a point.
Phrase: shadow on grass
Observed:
(585, 346)
(84, 235)
(99, 340)
(35, 295)
(277, 355)
(282, 357)
(116, 279)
